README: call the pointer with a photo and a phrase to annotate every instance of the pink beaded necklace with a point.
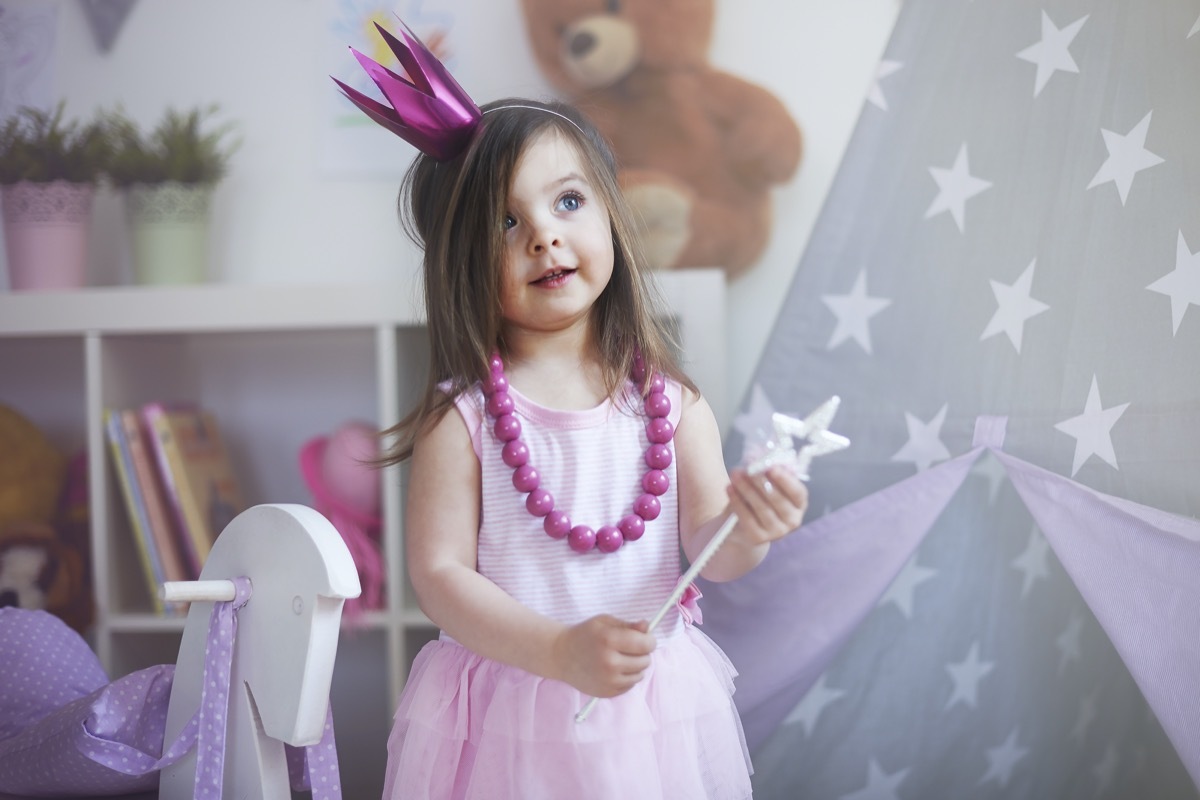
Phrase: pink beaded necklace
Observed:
(540, 503)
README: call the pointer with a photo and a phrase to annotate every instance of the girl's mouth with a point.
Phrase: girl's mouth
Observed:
(555, 277)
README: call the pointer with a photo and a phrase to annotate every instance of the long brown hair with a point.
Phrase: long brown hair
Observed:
(455, 211)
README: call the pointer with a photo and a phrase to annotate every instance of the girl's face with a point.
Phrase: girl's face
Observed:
(558, 252)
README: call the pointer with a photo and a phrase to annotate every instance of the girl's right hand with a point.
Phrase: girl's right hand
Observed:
(604, 656)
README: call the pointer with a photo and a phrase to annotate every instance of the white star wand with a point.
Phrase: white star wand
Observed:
(813, 431)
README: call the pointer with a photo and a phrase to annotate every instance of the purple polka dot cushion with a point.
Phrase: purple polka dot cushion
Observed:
(45, 665)
(64, 729)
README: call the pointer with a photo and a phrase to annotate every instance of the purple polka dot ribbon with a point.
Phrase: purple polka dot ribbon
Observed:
(214, 692)
(206, 728)
(312, 768)
(315, 768)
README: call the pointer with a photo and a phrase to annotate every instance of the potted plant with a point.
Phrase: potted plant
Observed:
(48, 172)
(167, 177)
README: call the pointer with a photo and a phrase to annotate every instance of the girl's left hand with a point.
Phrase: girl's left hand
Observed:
(769, 505)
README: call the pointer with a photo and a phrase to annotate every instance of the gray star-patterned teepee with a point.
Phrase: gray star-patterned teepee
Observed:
(997, 593)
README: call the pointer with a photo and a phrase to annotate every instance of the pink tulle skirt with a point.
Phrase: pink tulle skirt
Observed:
(469, 727)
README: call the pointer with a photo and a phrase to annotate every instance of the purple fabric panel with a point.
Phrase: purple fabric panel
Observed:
(782, 629)
(1138, 568)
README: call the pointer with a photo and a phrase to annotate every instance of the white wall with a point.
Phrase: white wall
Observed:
(279, 219)
(820, 58)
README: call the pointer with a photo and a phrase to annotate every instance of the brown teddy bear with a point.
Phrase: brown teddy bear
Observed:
(699, 148)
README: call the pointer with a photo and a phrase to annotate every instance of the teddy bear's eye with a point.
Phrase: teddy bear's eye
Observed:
(614, 7)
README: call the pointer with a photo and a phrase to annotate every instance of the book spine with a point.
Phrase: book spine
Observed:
(171, 463)
(147, 553)
(169, 549)
(151, 414)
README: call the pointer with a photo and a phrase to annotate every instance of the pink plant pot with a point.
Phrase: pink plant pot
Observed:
(46, 231)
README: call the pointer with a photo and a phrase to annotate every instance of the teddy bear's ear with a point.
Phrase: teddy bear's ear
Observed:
(600, 50)
(31, 471)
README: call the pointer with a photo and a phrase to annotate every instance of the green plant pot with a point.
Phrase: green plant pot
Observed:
(46, 231)
(169, 231)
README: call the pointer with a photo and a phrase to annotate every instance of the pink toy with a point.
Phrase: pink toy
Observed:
(348, 491)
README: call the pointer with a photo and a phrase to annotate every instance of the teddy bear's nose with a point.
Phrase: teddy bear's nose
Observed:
(581, 44)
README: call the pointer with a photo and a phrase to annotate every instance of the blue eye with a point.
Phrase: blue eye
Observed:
(509, 222)
(570, 202)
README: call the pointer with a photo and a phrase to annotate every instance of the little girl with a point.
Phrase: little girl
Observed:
(559, 461)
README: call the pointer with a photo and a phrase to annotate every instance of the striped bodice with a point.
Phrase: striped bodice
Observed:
(592, 462)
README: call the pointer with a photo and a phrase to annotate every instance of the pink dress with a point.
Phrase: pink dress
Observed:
(470, 727)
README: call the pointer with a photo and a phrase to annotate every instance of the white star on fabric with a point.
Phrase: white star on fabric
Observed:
(1068, 645)
(924, 445)
(1033, 562)
(1182, 284)
(1014, 307)
(880, 785)
(808, 711)
(875, 95)
(991, 470)
(955, 187)
(854, 312)
(1002, 759)
(1087, 715)
(755, 422)
(1127, 156)
(1092, 430)
(966, 675)
(1051, 53)
(1106, 770)
(900, 592)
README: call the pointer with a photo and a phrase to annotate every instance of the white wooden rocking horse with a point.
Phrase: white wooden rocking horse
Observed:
(282, 664)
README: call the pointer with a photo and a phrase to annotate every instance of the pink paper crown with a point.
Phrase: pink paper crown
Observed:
(431, 112)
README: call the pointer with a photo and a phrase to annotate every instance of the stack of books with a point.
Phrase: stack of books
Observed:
(179, 488)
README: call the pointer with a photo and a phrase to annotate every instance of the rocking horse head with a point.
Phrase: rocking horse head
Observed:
(300, 573)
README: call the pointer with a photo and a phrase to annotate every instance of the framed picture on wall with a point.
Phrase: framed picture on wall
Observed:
(482, 42)
(351, 145)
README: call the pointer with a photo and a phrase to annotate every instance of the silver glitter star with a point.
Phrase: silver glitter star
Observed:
(813, 433)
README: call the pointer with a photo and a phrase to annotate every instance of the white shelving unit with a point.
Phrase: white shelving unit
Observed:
(277, 365)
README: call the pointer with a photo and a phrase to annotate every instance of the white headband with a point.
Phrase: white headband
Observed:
(538, 108)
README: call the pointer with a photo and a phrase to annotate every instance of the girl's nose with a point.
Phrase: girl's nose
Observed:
(542, 237)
